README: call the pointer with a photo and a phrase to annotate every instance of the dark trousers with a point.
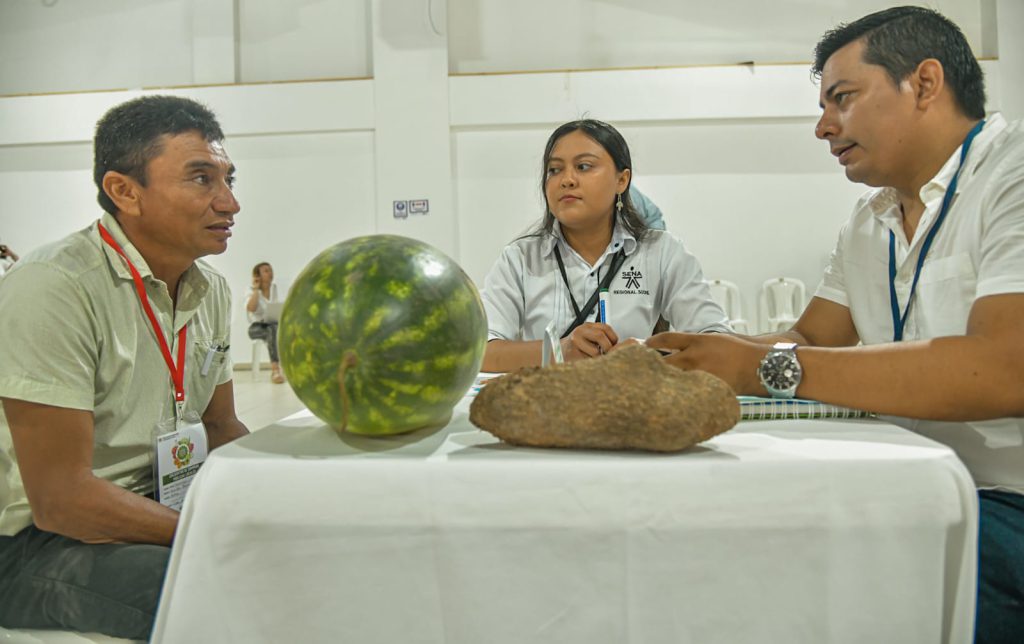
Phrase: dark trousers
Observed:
(1000, 568)
(266, 331)
(50, 581)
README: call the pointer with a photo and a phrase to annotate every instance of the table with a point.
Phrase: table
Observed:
(776, 531)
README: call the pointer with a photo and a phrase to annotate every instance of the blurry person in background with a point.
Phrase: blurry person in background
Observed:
(261, 325)
(7, 258)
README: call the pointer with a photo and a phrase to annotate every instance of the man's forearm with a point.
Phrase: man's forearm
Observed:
(223, 432)
(952, 378)
(98, 511)
(771, 338)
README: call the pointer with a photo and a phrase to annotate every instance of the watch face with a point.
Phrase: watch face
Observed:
(780, 371)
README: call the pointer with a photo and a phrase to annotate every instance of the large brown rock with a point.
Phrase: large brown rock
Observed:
(629, 399)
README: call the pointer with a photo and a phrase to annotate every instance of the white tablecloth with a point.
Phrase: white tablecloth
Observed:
(777, 531)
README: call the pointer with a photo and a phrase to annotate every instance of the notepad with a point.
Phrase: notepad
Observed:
(757, 408)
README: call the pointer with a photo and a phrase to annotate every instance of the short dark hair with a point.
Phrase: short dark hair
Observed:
(898, 39)
(129, 136)
(608, 138)
(257, 267)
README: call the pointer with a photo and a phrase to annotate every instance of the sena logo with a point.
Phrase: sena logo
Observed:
(632, 278)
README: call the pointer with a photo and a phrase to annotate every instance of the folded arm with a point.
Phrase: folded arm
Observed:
(54, 447)
(976, 376)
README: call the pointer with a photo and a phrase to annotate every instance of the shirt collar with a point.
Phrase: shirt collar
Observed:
(885, 202)
(116, 262)
(621, 238)
(192, 280)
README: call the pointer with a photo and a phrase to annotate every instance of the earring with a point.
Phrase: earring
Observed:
(618, 204)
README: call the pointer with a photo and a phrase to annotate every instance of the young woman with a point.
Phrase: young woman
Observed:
(264, 291)
(590, 238)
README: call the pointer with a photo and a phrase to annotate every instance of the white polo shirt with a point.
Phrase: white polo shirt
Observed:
(978, 251)
(524, 290)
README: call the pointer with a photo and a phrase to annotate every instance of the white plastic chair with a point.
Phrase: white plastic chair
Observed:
(257, 353)
(780, 303)
(727, 295)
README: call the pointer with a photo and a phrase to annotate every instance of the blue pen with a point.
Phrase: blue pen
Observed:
(603, 306)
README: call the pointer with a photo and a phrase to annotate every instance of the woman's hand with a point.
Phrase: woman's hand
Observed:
(588, 340)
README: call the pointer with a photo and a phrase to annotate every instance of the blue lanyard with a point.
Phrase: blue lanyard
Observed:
(898, 321)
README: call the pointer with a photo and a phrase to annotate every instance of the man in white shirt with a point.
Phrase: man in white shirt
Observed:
(928, 274)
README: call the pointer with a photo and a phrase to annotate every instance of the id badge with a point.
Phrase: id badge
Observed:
(181, 447)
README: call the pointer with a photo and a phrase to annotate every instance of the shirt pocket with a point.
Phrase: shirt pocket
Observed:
(946, 292)
(209, 359)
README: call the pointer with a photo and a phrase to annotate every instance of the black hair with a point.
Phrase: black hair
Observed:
(130, 135)
(898, 39)
(608, 138)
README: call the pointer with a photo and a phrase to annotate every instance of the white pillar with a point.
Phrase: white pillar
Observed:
(214, 50)
(1010, 25)
(412, 137)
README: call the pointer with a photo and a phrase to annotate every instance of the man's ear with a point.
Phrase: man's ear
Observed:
(928, 81)
(123, 191)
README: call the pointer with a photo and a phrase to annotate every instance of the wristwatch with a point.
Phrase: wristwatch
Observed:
(780, 371)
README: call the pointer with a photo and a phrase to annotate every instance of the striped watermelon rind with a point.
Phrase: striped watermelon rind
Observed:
(382, 335)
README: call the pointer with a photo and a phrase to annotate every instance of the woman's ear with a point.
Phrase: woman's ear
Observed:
(623, 182)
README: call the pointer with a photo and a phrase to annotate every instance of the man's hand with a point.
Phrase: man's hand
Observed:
(588, 340)
(732, 359)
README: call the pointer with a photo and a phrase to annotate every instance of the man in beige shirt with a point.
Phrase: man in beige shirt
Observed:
(86, 374)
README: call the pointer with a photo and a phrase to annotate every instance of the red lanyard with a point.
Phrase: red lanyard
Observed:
(177, 373)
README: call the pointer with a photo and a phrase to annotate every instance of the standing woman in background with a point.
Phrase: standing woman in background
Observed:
(264, 291)
(591, 238)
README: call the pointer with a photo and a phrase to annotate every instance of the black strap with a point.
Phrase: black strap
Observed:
(581, 314)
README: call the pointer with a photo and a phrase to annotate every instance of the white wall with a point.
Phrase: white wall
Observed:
(495, 36)
(78, 45)
(726, 151)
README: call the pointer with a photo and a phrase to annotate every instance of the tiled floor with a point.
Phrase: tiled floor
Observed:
(259, 402)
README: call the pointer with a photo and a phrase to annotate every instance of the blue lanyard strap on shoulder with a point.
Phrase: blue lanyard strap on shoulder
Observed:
(899, 321)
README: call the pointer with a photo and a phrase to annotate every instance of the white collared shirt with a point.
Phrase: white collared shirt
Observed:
(524, 290)
(978, 251)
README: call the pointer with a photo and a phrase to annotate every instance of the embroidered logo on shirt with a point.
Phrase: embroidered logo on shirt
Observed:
(632, 285)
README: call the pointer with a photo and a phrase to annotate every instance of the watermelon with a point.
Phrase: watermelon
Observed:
(382, 335)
